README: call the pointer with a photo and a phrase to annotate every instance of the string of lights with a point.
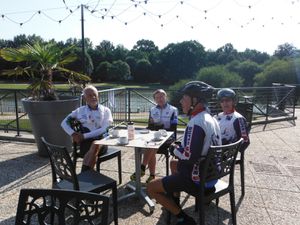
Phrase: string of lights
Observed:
(128, 12)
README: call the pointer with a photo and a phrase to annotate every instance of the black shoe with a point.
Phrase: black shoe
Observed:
(209, 191)
(176, 200)
(85, 168)
(186, 221)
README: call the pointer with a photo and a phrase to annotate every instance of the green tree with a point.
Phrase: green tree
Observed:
(226, 54)
(102, 72)
(146, 46)
(119, 71)
(219, 76)
(120, 53)
(285, 50)
(181, 60)
(105, 49)
(246, 69)
(279, 71)
(254, 55)
(22, 39)
(143, 71)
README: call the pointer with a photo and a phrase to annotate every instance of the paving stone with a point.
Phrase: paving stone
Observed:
(284, 218)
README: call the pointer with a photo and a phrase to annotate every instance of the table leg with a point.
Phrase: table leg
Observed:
(138, 163)
(137, 189)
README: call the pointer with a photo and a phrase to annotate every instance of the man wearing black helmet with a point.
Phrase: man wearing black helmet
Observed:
(201, 132)
(232, 124)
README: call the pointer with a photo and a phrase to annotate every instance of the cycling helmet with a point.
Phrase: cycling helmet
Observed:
(198, 89)
(226, 93)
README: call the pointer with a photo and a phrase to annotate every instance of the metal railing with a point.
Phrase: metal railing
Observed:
(270, 104)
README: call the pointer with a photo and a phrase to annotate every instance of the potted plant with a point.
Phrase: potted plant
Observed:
(40, 62)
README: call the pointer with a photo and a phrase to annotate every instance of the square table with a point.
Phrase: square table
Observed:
(141, 141)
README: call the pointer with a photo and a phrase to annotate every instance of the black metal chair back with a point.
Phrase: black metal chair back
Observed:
(246, 110)
(61, 165)
(64, 175)
(53, 206)
(218, 164)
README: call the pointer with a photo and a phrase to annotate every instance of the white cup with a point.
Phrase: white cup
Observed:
(115, 133)
(123, 140)
(157, 135)
(163, 132)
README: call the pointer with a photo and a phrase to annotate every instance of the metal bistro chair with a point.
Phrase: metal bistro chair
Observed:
(218, 164)
(109, 153)
(245, 109)
(104, 154)
(52, 206)
(64, 175)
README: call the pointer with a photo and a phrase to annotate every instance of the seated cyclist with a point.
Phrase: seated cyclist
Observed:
(201, 132)
(94, 120)
(232, 124)
(161, 116)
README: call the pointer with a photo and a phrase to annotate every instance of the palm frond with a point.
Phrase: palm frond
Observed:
(45, 60)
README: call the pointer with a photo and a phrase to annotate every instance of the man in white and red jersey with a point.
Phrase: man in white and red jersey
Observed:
(93, 120)
(201, 132)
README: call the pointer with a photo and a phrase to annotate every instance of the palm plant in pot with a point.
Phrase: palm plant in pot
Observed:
(41, 62)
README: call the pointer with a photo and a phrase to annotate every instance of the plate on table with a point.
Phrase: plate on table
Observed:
(157, 139)
(144, 131)
(112, 136)
(122, 143)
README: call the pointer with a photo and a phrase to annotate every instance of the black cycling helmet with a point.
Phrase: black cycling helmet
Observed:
(198, 89)
(226, 93)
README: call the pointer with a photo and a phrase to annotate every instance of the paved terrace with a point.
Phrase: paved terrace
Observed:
(272, 181)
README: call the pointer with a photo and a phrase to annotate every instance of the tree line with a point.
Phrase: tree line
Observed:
(176, 63)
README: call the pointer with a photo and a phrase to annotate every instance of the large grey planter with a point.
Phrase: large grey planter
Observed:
(45, 118)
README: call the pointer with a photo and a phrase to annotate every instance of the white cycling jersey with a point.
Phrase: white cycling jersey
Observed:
(166, 116)
(97, 121)
(201, 132)
(233, 127)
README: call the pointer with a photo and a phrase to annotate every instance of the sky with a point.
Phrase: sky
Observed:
(254, 24)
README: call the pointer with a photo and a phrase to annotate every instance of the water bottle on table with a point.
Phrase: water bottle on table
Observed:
(130, 128)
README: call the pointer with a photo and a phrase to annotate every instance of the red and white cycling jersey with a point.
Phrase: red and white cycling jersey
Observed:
(201, 132)
(233, 127)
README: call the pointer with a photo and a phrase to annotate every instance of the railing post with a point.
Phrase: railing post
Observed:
(1, 107)
(129, 105)
(17, 114)
(267, 109)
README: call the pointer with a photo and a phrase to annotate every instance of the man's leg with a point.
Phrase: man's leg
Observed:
(90, 157)
(173, 166)
(148, 155)
(156, 190)
(152, 167)
(152, 163)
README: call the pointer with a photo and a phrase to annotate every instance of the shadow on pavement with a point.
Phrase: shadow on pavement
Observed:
(20, 169)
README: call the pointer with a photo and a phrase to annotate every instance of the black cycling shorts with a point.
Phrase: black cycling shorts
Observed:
(177, 183)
